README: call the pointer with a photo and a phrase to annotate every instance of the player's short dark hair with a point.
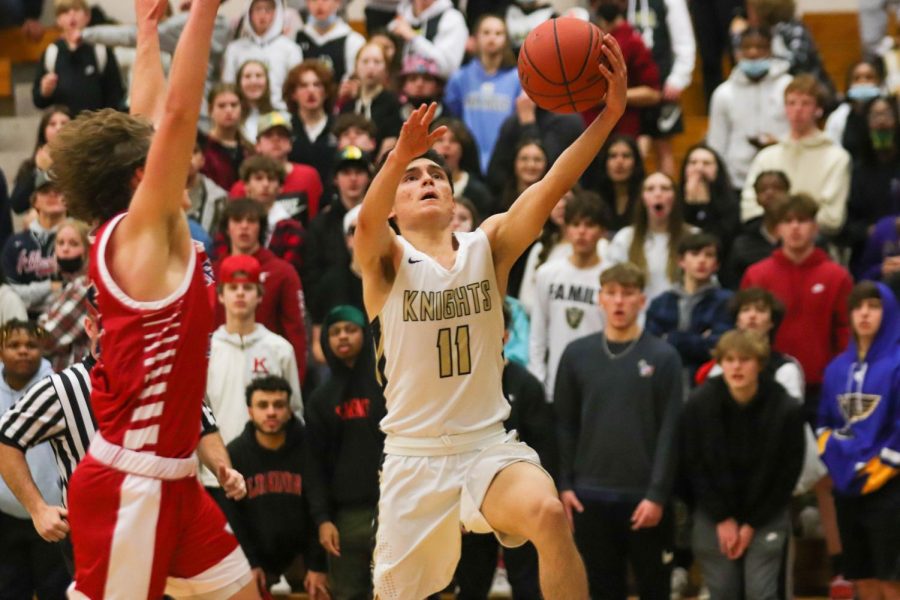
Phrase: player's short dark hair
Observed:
(760, 297)
(798, 206)
(348, 120)
(694, 242)
(241, 209)
(435, 157)
(864, 290)
(260, 163)
(269, 383)
(626, 274)
(589, 206)
(14, 325)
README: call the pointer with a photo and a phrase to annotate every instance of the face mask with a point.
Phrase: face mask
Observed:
(325, 23)
(756, 68)
(70, 265)
(882, 139)
(863, 92)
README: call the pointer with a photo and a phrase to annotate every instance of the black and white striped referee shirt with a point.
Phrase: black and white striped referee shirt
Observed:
(57, 409)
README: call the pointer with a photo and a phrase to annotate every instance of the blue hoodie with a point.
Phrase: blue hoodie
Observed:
(859, 415)
(483, 101)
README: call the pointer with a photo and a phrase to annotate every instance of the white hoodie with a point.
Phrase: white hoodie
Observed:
(449, 44)
(816, 166)
(741, 108)
(235, 361)
(273, 49)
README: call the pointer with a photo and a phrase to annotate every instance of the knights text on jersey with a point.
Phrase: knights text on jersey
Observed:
(439, 343)
(149, 382)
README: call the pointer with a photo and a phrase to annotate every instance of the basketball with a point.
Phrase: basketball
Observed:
(558, 65)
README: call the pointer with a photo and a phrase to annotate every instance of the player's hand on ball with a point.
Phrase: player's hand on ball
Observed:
(232, 483)
(616, 74)
(414, 137)
(50, 522)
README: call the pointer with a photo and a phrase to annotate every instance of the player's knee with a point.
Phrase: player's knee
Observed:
(548, 516)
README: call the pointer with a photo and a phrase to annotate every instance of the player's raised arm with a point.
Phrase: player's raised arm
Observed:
(156, 206)
(374, 238)
(148, 81)
(511, 232)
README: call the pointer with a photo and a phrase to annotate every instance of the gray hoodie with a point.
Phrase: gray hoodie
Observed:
(272, 48)
(740, 109)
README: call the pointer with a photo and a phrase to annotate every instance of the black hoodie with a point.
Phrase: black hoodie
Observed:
(742, 461)
(344, 441)
(531, 415)
(273, 522)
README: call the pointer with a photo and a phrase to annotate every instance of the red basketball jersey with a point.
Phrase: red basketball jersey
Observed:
(149, 382)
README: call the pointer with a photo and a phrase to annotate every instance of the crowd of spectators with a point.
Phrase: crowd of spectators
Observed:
(697, 352)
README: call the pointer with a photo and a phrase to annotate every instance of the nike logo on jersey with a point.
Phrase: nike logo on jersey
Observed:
(412, 262)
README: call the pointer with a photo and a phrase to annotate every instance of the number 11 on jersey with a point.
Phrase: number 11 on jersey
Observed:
(448, 348)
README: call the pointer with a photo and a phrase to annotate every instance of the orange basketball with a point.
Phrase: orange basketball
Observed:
(558, 65)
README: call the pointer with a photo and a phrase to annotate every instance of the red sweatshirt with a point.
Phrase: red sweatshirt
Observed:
(641, 71)
(302, 178)
(814, 293)
(282, 307)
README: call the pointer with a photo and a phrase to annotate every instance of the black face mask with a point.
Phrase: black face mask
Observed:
(608, 11)
(70, 265)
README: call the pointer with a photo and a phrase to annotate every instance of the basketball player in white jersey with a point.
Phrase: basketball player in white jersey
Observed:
(435, 299)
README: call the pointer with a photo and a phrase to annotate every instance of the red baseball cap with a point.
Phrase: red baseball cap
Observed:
(239, 268)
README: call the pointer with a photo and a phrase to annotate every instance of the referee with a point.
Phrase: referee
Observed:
(57, 409)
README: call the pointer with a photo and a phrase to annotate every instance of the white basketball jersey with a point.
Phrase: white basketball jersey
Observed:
(439, 343)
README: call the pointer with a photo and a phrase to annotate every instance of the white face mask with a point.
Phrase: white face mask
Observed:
(863, 92)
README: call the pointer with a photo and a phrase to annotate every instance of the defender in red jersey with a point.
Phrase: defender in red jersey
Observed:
(141, 524)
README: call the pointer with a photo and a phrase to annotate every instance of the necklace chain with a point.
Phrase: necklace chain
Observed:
(627, 349)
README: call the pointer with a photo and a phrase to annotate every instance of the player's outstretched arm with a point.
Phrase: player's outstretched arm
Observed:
(148, 81)
(374, 239)
(155, 213)
(511, 232)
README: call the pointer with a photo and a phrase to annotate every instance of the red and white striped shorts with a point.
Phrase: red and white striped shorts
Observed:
(142, 526)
